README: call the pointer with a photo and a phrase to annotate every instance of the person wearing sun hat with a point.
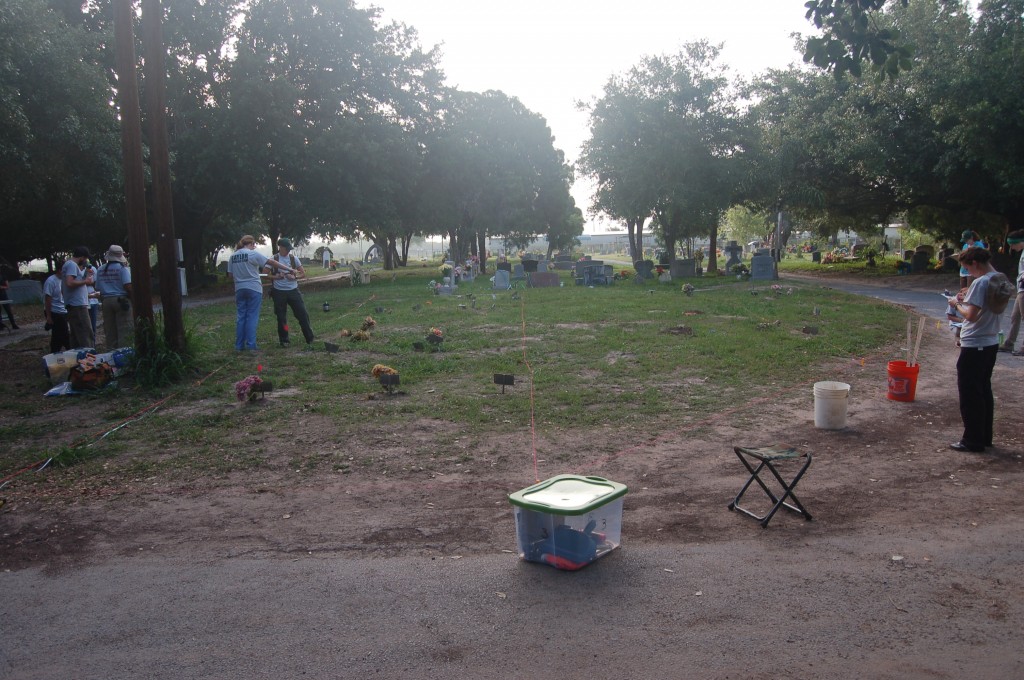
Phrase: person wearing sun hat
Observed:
(114, 282)
(969, 239)
(285, 293)
(1015, 241)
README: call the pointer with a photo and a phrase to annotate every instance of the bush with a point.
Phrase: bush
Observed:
(161, 365)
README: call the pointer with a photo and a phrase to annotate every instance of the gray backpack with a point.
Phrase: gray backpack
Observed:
(1000, 288)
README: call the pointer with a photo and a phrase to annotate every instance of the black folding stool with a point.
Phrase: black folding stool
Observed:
(768, 456)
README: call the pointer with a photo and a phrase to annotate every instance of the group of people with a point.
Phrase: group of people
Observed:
(284, 269)
(980, 304)
(71, 298)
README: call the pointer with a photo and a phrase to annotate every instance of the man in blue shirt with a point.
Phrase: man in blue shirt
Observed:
(56, 313)
(75, 282)
(114, 282)
(244, 265)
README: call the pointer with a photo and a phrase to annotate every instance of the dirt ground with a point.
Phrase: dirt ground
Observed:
(889, 471)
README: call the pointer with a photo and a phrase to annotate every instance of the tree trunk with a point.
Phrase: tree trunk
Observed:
(406, 242)
(482, 247)
(670, 246)
(713, 249)
(635, 252)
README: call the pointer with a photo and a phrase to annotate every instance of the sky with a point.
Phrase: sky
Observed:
(552, 53)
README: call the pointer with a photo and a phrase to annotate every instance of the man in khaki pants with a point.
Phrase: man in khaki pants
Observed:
(75, 284)
(114, 282)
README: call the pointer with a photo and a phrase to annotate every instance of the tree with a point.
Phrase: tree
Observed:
(59, 138)
(852, 35)
(662, 143)
(816, 147)
(492, 171)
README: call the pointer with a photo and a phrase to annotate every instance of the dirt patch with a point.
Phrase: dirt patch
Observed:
(388, 493)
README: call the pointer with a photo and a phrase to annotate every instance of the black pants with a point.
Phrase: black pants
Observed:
(60, 334)
(9, 308)
(290, 298)
(974, 383)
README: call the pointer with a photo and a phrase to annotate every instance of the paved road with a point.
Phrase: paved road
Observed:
(927, 302)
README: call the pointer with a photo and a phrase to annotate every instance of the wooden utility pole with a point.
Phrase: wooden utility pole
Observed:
(155, 71)
(134, 179)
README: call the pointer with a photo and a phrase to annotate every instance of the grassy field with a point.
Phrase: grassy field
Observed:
(639, 356)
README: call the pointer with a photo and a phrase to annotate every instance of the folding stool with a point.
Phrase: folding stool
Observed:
(769, 457)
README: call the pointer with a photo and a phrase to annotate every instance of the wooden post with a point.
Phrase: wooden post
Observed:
(156, 109)
(134, 180)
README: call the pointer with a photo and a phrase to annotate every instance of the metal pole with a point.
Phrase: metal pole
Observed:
(131, 159)
(156, 108)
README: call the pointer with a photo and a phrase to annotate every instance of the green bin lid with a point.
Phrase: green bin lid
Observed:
(568, 494)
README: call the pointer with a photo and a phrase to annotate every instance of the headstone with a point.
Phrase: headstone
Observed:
(544, 280)
(733, 250)
(542, 266)
(563, 262)
(501, 279)
(518, 272)
(919, 262)
(530, 266)
(816, 256)
(762, 267)
(24, 291)
(644, 269)
(683, 268)
(505, 267)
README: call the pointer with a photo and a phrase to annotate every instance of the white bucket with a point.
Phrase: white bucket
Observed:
(830, 400)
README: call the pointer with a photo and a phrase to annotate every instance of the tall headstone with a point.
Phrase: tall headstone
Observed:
(733, 250)
(762, 267)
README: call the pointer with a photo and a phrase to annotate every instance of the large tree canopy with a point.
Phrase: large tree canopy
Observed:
(661, 144)
(59, 137)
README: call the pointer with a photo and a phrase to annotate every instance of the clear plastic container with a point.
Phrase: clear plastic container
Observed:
(568, 521)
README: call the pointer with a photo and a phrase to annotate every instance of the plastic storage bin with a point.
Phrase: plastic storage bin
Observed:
(568, 521)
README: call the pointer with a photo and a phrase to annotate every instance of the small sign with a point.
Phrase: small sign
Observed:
(504, 379)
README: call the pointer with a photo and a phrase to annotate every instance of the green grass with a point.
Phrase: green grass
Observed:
(598, 357)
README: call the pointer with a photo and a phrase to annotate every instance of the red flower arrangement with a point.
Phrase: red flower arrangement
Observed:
(245, 390)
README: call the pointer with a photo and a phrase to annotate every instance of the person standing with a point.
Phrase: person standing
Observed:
(978, 348)
(94, 300)
(56, 314)
(969, 239)
(75, 284)
(245, 265)
(5, 302)
(1015, 242)
(114, 282)
(285, 293)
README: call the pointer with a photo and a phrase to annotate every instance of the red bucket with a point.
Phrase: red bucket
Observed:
(902, 381)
